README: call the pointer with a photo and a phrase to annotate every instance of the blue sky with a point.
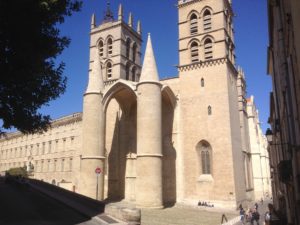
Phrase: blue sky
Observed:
(159, 17)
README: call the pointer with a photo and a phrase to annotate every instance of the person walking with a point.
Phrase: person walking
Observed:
(255, 217)
(242, 214)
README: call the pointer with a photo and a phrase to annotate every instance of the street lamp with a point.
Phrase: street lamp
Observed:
(269, 135)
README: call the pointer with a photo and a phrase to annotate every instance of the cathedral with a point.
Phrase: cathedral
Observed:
(156, 142)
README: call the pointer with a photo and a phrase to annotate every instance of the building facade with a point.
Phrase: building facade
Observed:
(284, 67)
(259, 153)
(157, 142)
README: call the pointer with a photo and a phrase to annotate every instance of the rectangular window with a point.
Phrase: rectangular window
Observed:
(71, 164)
(54, 165)
(64, 144)
(62, 165)
(43, 148)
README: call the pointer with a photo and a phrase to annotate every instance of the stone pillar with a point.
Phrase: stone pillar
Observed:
(149, 134)
(93, 133)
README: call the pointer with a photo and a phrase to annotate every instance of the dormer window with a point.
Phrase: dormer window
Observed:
(193, 24)
(207, 20)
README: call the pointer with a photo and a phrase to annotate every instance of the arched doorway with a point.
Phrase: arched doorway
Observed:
(120, 143)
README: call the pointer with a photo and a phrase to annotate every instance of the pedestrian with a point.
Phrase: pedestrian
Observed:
(256, 206)
(242, 214)
(255, 217)
(267, 218)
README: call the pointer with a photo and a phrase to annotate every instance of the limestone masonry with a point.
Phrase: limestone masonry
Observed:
(158, 142)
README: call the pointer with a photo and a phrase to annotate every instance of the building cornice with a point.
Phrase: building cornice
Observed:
(55, 123)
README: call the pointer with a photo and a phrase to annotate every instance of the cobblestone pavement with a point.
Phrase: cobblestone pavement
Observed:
(184, 216)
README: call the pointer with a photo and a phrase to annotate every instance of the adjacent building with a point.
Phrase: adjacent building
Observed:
(157, 142)
(259, 153)
(284, 68)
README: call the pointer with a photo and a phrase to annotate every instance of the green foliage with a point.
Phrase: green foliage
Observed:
(29, 75)
(20, 171)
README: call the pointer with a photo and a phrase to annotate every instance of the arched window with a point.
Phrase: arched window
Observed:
(208, 50)
(207, 20)
(109, 47)
(194, 52)
(108, 70)
(101, 48)
(133, 71)
(202, 82)
(134, 47)
(127, 71)
(205, 157)
(209, 110)
(128, 43)
(193, 24)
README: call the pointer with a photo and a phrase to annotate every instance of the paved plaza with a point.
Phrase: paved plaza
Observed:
(184, 216)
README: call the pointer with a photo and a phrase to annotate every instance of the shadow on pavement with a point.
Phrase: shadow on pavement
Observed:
(40, 203)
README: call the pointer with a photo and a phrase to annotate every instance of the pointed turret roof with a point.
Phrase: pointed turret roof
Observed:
(93, 21)
(139, 27)
(130, 20)
(149, 70)
(95, 79)
(108, 14)
(120, 12)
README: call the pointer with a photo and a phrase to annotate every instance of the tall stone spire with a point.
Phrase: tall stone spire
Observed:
(139, 27)
(93, 135)
(93, 21)
(120, 12)
(130, 20)
(95, 84)
(149, 70)
(149, 134)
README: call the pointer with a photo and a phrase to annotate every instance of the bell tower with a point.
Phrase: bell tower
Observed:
(209, 102)
(205, 31)
(118, 45)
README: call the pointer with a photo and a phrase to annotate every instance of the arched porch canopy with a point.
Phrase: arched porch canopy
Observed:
(124, 92)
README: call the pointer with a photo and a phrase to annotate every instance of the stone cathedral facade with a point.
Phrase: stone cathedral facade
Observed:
(157, 142)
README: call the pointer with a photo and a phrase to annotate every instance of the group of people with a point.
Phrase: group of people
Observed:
(252, 216)
(207, 204)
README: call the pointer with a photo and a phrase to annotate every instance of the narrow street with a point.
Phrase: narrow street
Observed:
(262, 208)
(19, 205)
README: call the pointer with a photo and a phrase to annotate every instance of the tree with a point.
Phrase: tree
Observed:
(18, 171)
(30, 76)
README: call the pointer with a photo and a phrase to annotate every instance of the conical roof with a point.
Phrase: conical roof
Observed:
(95, 83)
(149, 70)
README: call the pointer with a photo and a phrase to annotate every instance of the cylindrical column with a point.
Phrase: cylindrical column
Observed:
(149, 145)
(93, 154)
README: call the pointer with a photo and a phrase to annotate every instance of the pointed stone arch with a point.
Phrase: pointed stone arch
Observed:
(120, 104)
(121, 90)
